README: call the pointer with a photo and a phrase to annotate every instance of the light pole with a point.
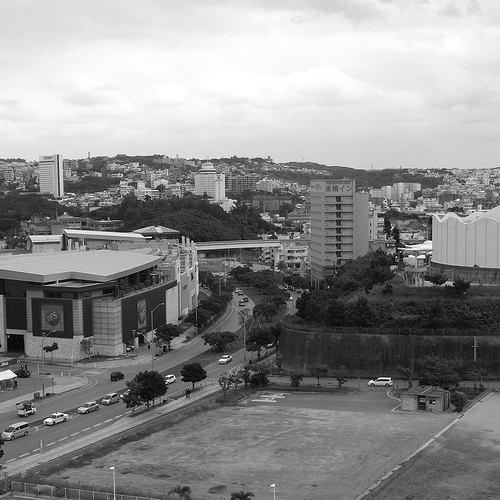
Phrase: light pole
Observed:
(152, 318)
(43, 357)
(114, 482)
(244, 316)
(150, 348)
(273, 486)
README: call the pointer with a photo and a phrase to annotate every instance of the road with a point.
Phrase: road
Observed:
(41, 438)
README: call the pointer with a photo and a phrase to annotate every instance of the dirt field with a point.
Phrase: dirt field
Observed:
(309, 453)
(462, 464)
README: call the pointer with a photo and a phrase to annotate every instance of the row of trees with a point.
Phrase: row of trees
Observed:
(147, 386)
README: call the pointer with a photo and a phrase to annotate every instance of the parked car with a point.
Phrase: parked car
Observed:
(242, 303)
(109, 399)
(240, 292)
(129, 347)
(124, 394)
(116, 376)
(380, 382)
(22, 373)
(225, 359)
(88, 407)
(245, 299)
(56, 418)
(170, 379)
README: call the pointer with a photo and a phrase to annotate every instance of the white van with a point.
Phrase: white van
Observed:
(111, 398)
(16, 430)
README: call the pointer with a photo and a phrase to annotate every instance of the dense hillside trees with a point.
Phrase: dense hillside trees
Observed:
(192, 216)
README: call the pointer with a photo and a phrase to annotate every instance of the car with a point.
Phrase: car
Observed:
(116, 376)
(88, 407)
(225, 359)
(56, 418)
(242, 303)
(381, 382)
(237, 290)
(110, 398)
(129, 347)
(246, 299)
(124, 394)
(240, 292)
(22, 373)
(170, 379)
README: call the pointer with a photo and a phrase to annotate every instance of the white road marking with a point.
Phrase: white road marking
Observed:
(24, 455)
(62, 439)
(74, 434)
(87, 429)
(50, 444)
(11, 460)
(97, 425)
(109, 420)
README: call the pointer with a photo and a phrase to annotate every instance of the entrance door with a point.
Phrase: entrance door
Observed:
(421, 403)
(15, 343)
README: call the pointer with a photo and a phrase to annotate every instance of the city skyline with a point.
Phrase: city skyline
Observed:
(359, 83)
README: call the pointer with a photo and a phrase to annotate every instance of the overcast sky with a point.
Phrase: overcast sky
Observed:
(359, 83)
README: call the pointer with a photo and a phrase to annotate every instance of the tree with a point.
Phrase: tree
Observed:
(387, 227)
(51, 349)
(296, 379)
(406, 373)
(241, 495)
(87, 346)
(458, 399)
(193, 372)
(459, 287)
(439, 372)
(259, 377)
(184, 492)
(245, 375)
(437, 279)
(318, 370)
(224, 383)
(219, 340)
(235, 380)
(146, 386)
(166, 333)
(257, 339)
(341, 375)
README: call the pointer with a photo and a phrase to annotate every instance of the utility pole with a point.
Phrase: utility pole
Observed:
(475, 346)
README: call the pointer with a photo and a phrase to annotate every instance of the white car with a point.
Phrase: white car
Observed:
(56, 418)
(381, 382)
(170, 379)
(225, 359)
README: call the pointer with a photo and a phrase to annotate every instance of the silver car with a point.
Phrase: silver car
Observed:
(381, 382)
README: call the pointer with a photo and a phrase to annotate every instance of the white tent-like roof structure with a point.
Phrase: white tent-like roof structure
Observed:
(7, 375)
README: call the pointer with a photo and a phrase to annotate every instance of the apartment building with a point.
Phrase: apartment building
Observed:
(339, 225)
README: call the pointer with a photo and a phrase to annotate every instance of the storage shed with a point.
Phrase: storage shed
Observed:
(425, 399)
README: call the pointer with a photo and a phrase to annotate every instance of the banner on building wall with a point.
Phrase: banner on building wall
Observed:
(52, 317)
(141, 314)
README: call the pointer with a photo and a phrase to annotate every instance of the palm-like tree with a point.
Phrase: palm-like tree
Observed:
(184, 492)
(242, 495)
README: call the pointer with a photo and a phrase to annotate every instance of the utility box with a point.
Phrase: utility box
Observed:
(36, 396)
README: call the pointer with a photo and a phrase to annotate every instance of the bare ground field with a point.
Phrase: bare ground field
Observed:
(461, 464)
(309, 453)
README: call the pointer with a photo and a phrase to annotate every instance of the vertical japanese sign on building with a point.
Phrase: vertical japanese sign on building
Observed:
(141, 314)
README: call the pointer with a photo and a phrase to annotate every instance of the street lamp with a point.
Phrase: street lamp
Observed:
(244, 316)
(152, 318)
(114, 482)
(150, 348)
(43, 352)
(273, 486)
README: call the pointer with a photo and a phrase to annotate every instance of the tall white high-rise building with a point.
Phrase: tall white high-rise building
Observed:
(339, 225)
(209, 181)
(51, 175)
